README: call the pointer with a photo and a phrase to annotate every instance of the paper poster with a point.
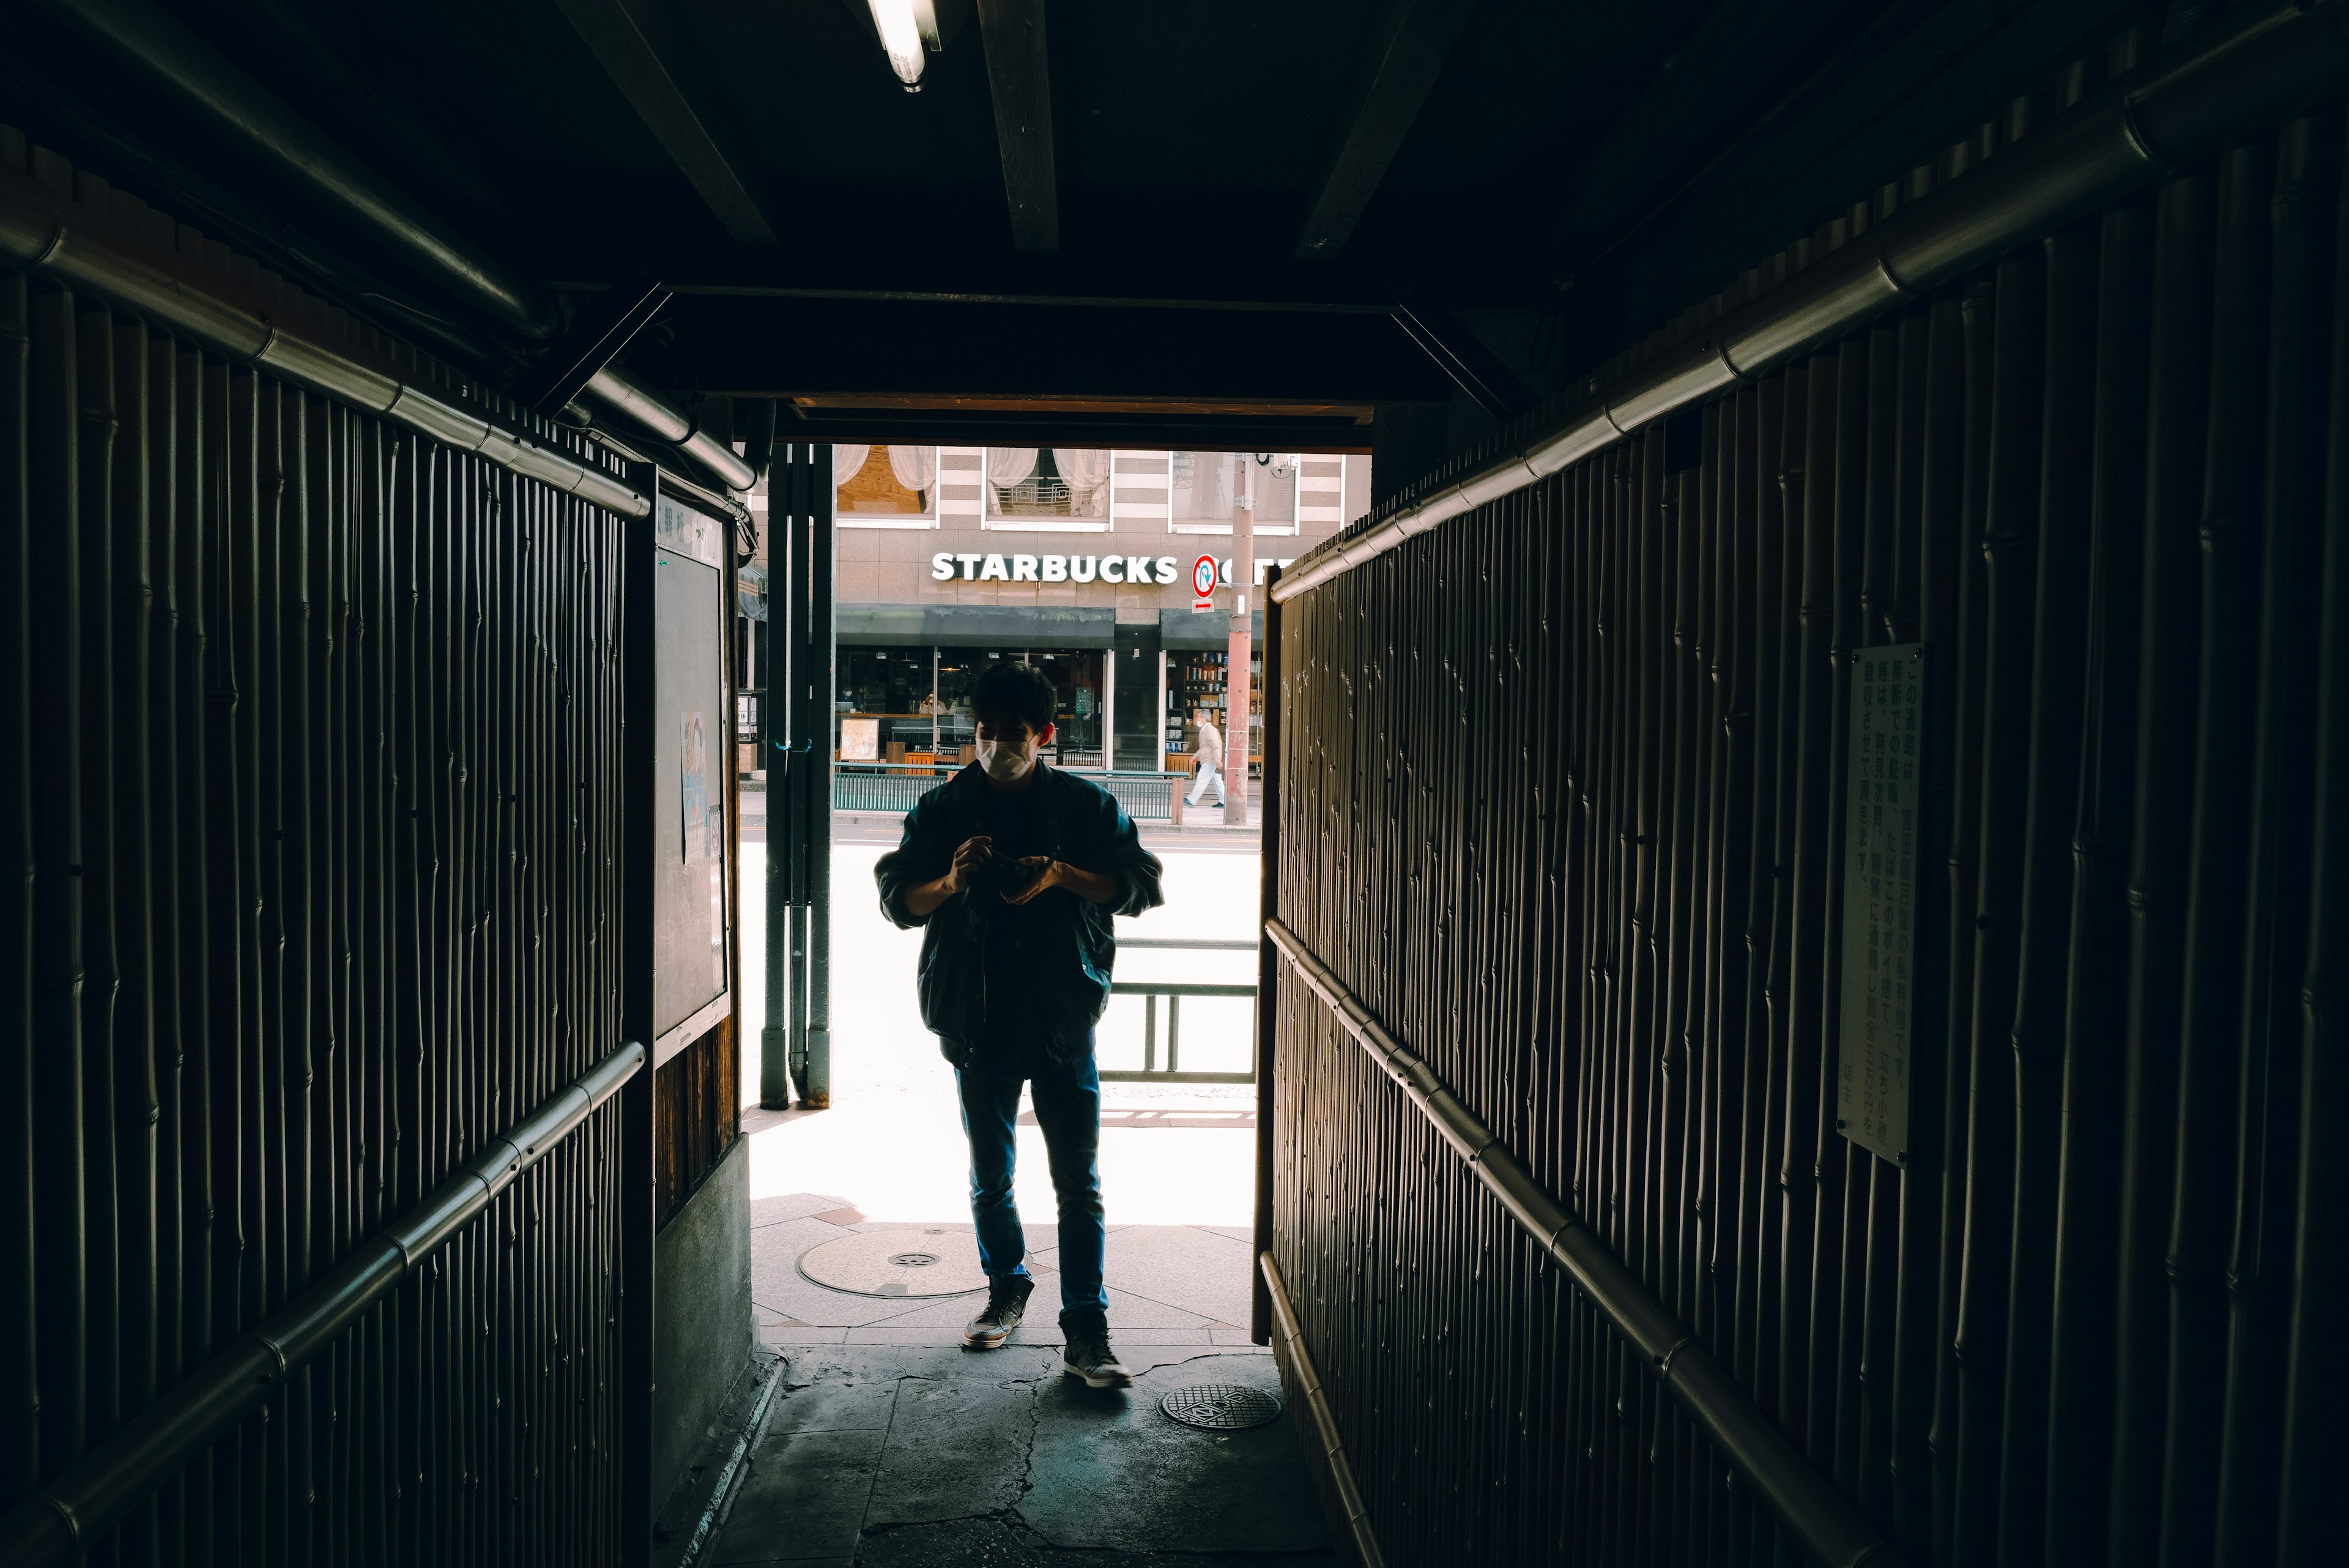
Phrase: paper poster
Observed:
(693, 792)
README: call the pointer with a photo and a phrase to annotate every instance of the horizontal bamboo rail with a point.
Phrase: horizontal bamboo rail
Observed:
(1812, 1512)
(2282, 64)
(91, 1498)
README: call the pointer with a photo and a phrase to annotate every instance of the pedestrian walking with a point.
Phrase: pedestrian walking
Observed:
(1207, 762)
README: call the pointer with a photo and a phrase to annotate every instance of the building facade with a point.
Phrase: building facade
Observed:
(1078, 562)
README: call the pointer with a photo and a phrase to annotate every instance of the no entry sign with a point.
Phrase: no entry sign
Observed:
(1203, 583)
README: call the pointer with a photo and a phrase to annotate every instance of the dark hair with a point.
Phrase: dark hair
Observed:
(1010, 690)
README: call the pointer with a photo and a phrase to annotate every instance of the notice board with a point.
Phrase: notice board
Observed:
(1881, 848)
(692, 902)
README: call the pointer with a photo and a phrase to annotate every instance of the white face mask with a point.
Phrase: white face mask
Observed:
(1005, 763)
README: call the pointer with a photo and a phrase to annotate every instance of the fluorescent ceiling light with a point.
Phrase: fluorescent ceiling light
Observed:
(905, 25)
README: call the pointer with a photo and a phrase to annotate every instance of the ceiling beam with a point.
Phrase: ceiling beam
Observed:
(642, 55)
(1019, 81)
(1402, 70)
(1224, 432)
(934, 353)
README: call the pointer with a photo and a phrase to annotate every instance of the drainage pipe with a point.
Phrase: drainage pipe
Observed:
(208, 86)
(88, 254)
(2281, 65)
(214, 90)
(640, 405)
(1765, 1459)
(79, 1506)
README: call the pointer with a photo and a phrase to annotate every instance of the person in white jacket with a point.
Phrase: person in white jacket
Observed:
(1208, 762)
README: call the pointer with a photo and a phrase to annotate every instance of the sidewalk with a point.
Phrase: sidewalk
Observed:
(1177, 1160)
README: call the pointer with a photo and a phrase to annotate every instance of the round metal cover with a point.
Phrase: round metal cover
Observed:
(1221, 1407)
(903, 1260)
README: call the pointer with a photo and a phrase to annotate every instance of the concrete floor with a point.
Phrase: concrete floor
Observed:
(1170, 1286)
(887, 1444)
(899, 1457)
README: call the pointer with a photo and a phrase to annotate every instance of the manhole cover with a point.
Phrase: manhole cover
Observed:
(1221, 1407)
(927, 1260)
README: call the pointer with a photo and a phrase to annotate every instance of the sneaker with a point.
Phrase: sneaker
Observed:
(1007, 1303)
(1090, 1357)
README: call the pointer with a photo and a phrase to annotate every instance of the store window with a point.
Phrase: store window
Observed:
(1046, 489)
(886, 486)
(941, 729)
(1208, 489)
(886, 704)
(1078, 716)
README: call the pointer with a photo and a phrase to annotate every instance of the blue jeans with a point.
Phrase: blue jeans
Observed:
(1068, 1109)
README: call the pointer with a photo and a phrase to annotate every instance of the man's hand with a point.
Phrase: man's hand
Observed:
(1090, 885)
(924, 897)
(968, 860)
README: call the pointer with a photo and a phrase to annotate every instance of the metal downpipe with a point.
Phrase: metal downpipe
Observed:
(85, 253)
(640, 405)
(2282, 64)
(213, 89)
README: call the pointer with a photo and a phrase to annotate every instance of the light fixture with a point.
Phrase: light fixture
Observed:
(905, 26)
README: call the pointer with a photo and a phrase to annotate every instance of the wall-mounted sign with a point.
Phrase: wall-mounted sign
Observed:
(946, 566)
(1879, 898)
(977, 567)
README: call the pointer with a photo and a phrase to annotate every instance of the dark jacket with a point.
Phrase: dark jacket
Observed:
(1065, 945)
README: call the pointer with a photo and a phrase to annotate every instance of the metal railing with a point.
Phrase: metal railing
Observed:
(74, 1509)
(895, 786)
(1802, 1500)
(1150, 990)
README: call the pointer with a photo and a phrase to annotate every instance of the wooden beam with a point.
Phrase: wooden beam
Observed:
(1403, 71)
(640, 53)
(1019, 81)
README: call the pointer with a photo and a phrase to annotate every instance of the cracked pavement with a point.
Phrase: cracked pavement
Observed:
(922, 1457)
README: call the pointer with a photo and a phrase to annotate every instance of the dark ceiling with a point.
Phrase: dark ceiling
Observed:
(1209, 199)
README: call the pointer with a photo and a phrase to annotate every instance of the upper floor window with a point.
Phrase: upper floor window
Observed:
(886, 486)
(1086, 490)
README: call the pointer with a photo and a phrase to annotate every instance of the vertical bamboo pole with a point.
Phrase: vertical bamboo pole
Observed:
(2280, 763)
(20, 1198)
(2212, 989)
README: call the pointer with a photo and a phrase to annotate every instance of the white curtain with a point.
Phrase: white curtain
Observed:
(916, 467)
(846, 463)
(1007, 465)
(1082, 467)
(1208, 496)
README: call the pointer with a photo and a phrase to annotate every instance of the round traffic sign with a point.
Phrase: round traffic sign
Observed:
(1203, 575)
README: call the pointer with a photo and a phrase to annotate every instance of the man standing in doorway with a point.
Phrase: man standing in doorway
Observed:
(1206, 764)
(1013, 869)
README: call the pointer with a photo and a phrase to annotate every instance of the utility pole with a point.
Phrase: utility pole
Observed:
(1236, 661)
